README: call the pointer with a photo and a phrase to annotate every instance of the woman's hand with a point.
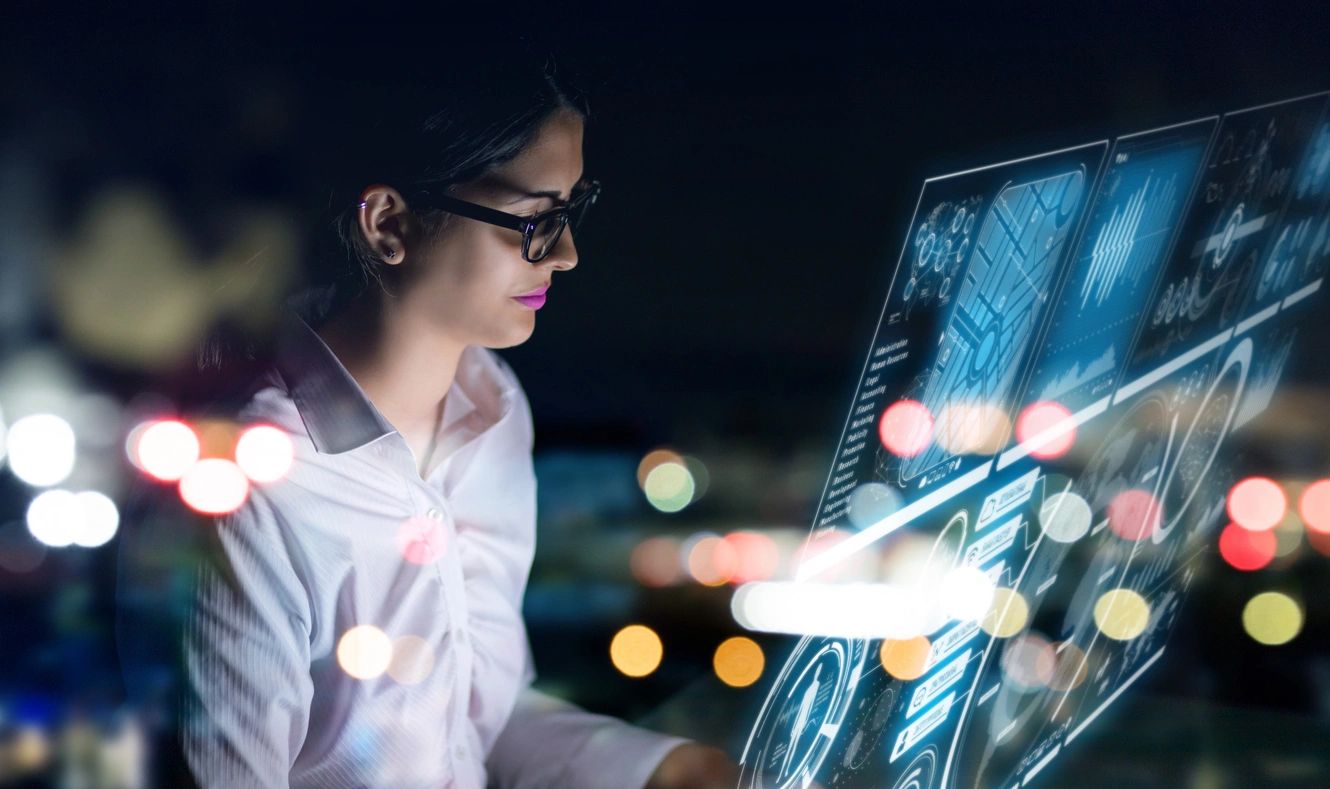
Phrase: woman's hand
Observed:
(695, 766)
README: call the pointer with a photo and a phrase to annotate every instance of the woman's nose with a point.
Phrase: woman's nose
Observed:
(564, 255)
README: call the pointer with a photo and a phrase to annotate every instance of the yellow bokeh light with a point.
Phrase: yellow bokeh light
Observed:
(654, 458)
(1121, 614)
(636, 650)
(669, 487)
(364, 652)
(1007, 615)
(1272, 618)
(739, 662)
(905, 659)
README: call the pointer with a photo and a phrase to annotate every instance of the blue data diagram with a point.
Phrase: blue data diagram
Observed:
(1128, 233)
(972, 284)
(1210, 282)
(1159, 301)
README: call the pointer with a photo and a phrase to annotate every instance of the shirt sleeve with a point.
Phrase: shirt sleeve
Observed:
(246, 685)
(551, 743)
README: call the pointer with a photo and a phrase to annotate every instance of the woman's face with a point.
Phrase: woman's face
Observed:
(462, 283)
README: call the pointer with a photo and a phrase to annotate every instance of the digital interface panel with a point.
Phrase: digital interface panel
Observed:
(1034, 284)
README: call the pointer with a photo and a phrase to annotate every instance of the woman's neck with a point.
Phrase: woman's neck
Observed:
(400, 361)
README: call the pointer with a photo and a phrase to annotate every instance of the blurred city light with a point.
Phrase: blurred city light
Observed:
(364, 652)
(1134, 514)
(669, 486)
(1121, 614)
(871, 502)
(711, 560)
(972, 428)
(1065, 517)
(636, 650)
(655, 562)
(412, 660)
(1256, 503)
(98, 521)
(654, 458)
(54, 517)
(1272, 618)
(906, 428)
(1047, 428)
(41, 449)
(905, 659)
(966, 593)
(1246, 550)
(264, 453)
(738, 661)
(1007, 615)
(1029, 662)
(214, 486)
(1314, 506)
(164, 449)
(756, 556)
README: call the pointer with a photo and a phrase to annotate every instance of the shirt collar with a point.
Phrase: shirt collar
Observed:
(336, 412)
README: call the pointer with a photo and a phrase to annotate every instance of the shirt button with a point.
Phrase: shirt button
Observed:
(435, 514)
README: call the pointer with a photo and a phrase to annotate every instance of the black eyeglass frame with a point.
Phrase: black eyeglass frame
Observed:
(523, 224)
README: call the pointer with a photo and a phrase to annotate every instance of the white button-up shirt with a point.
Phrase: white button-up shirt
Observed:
(353, 536)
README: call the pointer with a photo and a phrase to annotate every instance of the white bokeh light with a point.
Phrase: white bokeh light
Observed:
(967, 593)
(99, 519)
(214, 486)
(54, 518)
(265, 453)
(165, 449)
(41, 449)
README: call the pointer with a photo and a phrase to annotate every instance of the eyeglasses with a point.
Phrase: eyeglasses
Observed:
(540, 232)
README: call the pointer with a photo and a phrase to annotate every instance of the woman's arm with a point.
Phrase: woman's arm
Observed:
(247, 686)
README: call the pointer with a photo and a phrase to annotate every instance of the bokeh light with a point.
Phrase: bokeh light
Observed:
(264, 453)
(164, 449)
(669, 486)
(971, 428)
(412, 660)
(906, 428)
(1272, 618)
(98, 519)
(1065, 517)
(1134, 514)
(1314, 506)
(738, 662)
(1256, 503)
(905, 659)
(711, 561)
(41, 449)
(54, 518)
(636, 650)
(1121, 614)
(966, 593)
(1049, 428)
(654, 458)
(1007, 615)
(364, 652)
(1029, 662)
(214, 486)
(655, 562)
(871, 502)
(755, 556)
(1072, 667)
(421, 540)
(1245, 549)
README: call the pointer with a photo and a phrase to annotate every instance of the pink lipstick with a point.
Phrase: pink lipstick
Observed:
(533, 300)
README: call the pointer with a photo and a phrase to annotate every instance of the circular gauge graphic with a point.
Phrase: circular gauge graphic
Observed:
(1198, 448)
(803, 713)
(920, 772)
(942, 241)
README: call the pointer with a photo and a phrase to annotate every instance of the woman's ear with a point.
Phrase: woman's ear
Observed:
(385, 223)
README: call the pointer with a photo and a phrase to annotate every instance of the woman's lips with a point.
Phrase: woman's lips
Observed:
(535, 299)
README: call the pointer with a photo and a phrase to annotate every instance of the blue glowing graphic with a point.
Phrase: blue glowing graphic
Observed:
(1159, 303)
(1129, 231)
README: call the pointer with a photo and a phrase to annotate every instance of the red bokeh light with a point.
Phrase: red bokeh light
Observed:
(1134, 514)
(906, 428)
(1314, 506)
(421, 540)
(1257, 503)
(1246, 549)
(756, 556)
(1046, 415)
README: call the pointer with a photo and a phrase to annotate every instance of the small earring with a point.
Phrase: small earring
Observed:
(392, 253)
(363, 203)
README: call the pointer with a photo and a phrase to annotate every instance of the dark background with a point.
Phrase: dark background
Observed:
(759, 171)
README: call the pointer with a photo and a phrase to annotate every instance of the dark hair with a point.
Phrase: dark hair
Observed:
(479, 113)
(436, 137)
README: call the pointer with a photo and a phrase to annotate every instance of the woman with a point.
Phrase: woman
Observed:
(359, 621)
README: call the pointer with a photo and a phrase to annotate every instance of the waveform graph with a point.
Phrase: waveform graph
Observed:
(1131, 226)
